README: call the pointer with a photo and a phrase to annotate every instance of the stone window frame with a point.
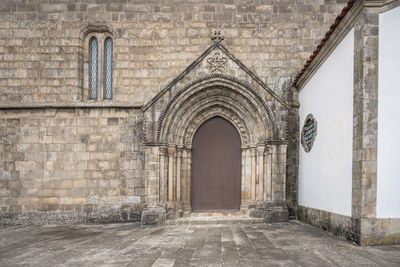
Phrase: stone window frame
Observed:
(307, 148)
(101, 37)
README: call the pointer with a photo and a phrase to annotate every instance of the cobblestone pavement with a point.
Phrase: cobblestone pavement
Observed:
(283, 244)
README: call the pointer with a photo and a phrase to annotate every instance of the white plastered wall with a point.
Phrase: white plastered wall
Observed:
(388, 196)
(325, 173)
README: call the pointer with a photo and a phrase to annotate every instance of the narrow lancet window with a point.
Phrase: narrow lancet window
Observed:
(108, 68)
(93, 65)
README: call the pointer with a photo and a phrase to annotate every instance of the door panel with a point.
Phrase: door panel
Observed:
(216, 169)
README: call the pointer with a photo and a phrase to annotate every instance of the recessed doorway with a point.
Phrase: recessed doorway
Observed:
(216, 167)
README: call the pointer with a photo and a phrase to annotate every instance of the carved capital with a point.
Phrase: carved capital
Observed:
(171, 151)
(179, 152)
(163, 151)
(253, 150)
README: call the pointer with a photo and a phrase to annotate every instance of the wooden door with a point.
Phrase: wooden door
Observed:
(216, 169)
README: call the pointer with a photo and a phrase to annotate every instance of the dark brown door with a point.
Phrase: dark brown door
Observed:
(216, 166)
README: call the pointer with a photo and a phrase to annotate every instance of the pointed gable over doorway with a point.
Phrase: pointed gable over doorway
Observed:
(216, 59)
(217, 63)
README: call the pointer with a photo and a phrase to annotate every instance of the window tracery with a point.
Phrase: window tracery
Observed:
(309, 132)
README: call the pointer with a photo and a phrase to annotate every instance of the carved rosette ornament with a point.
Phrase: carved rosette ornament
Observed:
(217, 62)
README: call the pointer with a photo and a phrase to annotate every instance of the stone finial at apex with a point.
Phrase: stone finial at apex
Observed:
(217, 36)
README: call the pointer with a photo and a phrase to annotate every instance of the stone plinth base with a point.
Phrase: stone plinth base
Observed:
(270, 212)
(174, 211)
(255, 213)
(339, 225)
(154, 215)
(73, 214)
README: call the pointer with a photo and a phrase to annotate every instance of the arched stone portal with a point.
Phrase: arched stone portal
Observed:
(169, 135)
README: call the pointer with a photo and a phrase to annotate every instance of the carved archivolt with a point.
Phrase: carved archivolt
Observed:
(211, 112)
(216, 95)
(169, 156)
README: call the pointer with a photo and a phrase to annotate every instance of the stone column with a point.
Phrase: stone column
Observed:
(260, 157)
(246, 175)
(163, 156)
(178, 174)
(253, 173)
(268, 175)
(184, 177)
(189, 178)
(242, 175)
(171, 157)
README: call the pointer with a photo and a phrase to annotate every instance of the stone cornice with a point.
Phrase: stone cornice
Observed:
(381, 5)
(374, 3)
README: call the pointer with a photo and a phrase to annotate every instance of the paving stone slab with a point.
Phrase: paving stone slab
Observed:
(279, 244)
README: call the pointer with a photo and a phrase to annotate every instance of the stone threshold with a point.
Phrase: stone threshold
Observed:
(215, 218)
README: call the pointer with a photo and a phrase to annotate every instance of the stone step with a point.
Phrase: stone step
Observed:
(216, 214)
(197, 220)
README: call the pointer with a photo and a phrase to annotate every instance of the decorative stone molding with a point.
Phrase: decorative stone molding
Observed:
(221, 112)
(214, 46)
(173, 116)
(309, 132)
(217, 36)
(210, 103)
(97, 27)
(220, 77)
(217, 62)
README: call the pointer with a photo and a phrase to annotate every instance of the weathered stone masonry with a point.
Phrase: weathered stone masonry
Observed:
(71, 165)
(67, 159)
(363, 226)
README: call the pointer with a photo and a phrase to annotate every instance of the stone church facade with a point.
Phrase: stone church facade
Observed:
(101, 101)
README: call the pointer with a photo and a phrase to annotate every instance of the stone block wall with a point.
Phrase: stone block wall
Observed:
(41, 42)
(364, 227)
(70, 165)
(64, 158)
